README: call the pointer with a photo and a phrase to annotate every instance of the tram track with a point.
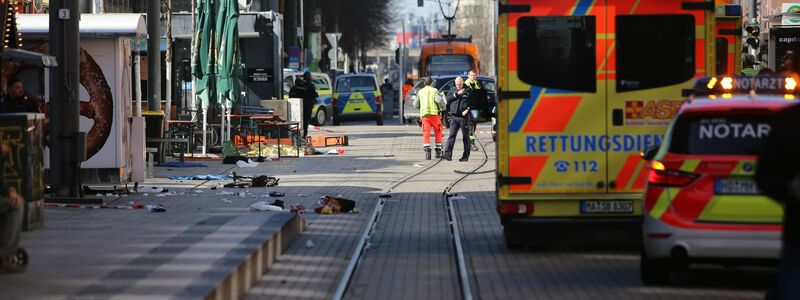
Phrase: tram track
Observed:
(375, 216)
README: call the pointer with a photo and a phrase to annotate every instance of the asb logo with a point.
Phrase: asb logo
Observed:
(652, 109)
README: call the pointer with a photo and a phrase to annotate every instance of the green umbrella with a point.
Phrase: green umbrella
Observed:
(227, 83)
(204, 41)
(228, 65)
(204, 57)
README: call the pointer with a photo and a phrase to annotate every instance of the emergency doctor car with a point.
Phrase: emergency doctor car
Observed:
(701, 202)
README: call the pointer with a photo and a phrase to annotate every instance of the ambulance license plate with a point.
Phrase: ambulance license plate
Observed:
(736, 186)
(606, 206)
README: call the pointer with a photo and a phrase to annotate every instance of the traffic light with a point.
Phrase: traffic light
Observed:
(397, 55)
(753, 39)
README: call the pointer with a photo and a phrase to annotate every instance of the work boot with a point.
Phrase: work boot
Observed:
(438, 153)
(427, 153)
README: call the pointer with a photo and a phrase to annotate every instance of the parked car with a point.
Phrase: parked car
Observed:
(701, 202)
(323, 109)
(357, 97)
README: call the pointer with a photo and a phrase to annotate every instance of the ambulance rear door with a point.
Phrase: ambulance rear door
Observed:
(551, 119)
(657, 50)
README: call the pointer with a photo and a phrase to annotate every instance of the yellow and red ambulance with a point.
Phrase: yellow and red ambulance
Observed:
(701, 202)
(584, 87)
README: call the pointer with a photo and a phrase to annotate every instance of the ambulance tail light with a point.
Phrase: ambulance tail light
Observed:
(516, 208)
(661, 176)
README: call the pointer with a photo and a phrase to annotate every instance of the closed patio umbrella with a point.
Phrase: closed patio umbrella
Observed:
(228, 59)
(203, 67)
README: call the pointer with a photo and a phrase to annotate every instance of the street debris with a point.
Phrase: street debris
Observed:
(458, 197)
(309, 244)
(276, 194)
(263, 206)
(332, 205)
(265, 181)
(246, 164)
(297, 208)
(177, 164)
(278, 203)
(156, 208)
(224, 193)
(207, 177)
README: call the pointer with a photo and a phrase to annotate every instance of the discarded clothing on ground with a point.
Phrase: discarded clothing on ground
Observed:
(201, 177)
(263, 206)
(332, 205)
(177, 164)
(246, 164)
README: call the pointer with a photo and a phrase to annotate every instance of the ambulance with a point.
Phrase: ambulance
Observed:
(701, 203)
(584, 87)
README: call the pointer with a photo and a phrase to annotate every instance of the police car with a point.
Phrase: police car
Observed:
(701, 202)
(357, 96)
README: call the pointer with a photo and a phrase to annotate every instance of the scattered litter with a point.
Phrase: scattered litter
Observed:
(201, 177)
(418, 165)
(222, 193)
(199, 191)
(156, 208)
(302, 195)
(458, 197)
(297, 208)
(276, 194)
(388, 155)
(99, 195)
(309, 244)
(226, 200)
(109, 195)
(241, 185)
(248, 164)
(263, 206)
(278, 203)
(131, 205)
(154, 189)
(177, 164)
(339, 151)
(242, 194)
(161, 195)
(145, 195)
(263, 180)
(332, 205)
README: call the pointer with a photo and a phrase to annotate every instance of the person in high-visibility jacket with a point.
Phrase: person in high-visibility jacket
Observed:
(430, 103)
(473, 83)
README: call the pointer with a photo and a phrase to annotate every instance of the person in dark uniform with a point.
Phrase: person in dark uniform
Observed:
(458, 108)
(778, 175)
(309, 99)
(11, 210)
(473, 84)
(15, 100)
